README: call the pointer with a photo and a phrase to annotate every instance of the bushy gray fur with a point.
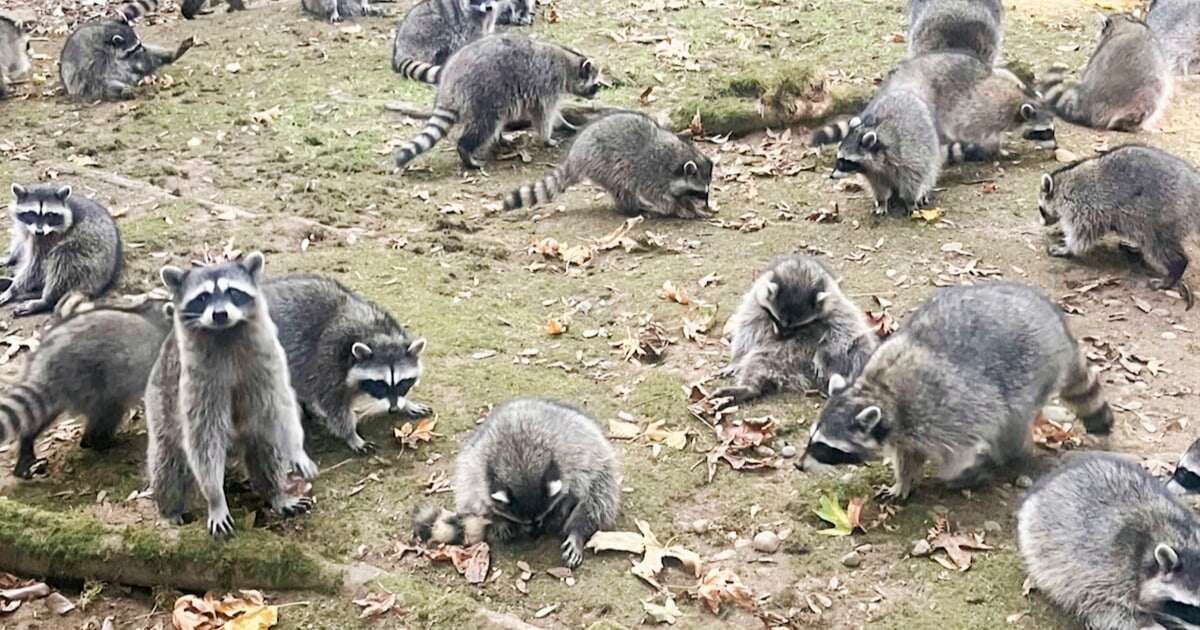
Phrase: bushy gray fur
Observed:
(1146, 196)
(135, 9)
(433, 30)
(972, 26)
(960, 386)
(343, 350)
(14, 53)
(1176, 24)
(793, 330)
(1125, 86)
(497, 80)
(1108, 543)
(103, 59)
(514, 12)
(1187, 474)
(60, 242)
(221, 382)
(192, 8)
(975, 128)
(644, 167)
(337, 10)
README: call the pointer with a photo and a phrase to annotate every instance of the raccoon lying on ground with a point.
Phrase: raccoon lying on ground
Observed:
(972, 26)
(1187, 474)
(104, 60)
(14, 53)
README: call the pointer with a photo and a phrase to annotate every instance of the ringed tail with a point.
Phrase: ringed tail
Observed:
(540, 191)
(135, 9)
(1084, 395)
(443, 527)
(435, 129)
(71, 304)
(24, 409)
(832, 133)
(962, 152)
(417, 70)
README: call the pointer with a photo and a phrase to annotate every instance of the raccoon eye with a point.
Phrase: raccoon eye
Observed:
(404, 385)
(374, 388)
(239, 298)
(198, 303)
(53, 220)
(27, 217)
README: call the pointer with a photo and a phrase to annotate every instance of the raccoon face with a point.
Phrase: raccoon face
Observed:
(42, 211)
(1170, 587)
(122, 41)
(851, 428)
(585, 80)
(382, 372)
(790, 305)
(857, 152)
(691, 179)
(19, 54)
(217, 297)
(1046, 207)
(1037, 122)
(1187, 475)
(531, 503)
(521, 12)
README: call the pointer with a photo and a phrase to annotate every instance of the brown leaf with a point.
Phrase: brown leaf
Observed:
(376, 605)
(555, 327)
(747, 432)
(672, 293)
(1054, 436)
(854, 513)
(471, 562)
(723, 585)
(411, 434)
(958, 547)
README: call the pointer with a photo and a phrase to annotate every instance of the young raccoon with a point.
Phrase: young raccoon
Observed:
(14, 53)
(338, 10)
(960, 385)
(1187, 474)
(433, 30)
(976, 126)
(191, 8)
(105, 60)
(1148, 197)
(220, 382)
(1125, 86)
(497, 80)
(643, 166)
(793, 330)
(342, 350)
(1176, 24)
(515, 12)
(971, 26)
(60, 243)
(93, 363)
(1107, 542)
(533, 467)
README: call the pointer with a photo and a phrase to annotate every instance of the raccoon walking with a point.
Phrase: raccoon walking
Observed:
(14, 54)
(1187, 474)
(342, 350)
(1125, 86)
(220, 381)
(1104, 540)
(972, 26)
(643, 166)
(105, 60)
(1146, 196)
(60, 242)
(433, 30)
(793, 330)
(1176, 24)
(533, 467)
(497, 80)
(94, 363)
(337, 10)
(960, 386)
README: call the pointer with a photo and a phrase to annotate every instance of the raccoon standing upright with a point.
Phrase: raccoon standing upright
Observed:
(643, 166)
(337, 10)
(1186, 479)
(1107, 542)
(959, 385)
(1125, 86)
(432, 30)
(972, 26)
(534, 466)
(93, 363)
(342, 350)
(1146, 196)
(497, 80)
(60, 243)
(103, 59)
(1176, 24)
(220, 381)
(793, 330)
(14, 53)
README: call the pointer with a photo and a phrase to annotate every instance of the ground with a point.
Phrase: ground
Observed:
(280, 120)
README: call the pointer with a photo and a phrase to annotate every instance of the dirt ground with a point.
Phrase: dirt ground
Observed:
(271, 134)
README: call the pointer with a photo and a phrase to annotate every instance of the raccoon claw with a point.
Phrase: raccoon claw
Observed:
(295, 506)
(1059, 250)
(221, 527)
(363, 447)
(31, 307)
(571, 554)
(892, 494)
(306, 467)
(417, 410)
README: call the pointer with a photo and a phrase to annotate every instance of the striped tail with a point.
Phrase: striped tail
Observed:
(1083, 394)
(191, 8)
(416, 70)
(441, 526)
(435, 129)
(134, 9)
(833, 133)
(72, 304)
(25, 409)
(962, 152)
(540, 191)
(1062, 97)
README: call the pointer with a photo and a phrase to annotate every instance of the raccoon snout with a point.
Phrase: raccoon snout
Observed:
(220, 318)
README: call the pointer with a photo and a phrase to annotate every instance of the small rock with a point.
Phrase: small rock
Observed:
(788, 451)
(851, 559)
(766, 542)
(992, 527)
(700, 525)
(921, 548)
(1024, 481)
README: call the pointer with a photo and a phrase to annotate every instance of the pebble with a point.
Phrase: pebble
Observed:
(851, 559)
(766, 542)
(700, 525)
(921, 548)
(1024, 481)
(992, 527)
(788, 451)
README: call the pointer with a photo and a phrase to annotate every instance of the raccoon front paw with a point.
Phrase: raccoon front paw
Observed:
(306, 467)
(550, 142)
(220, 524)
(290, 506)
(417, 410)
(7, 297)
(737, 393)
(727, 372)
(1059, 250)
(502, 531)
(30, 307)
(335, 18)
(895, 493)
(179, 520)
(360, 446)
(572, 554)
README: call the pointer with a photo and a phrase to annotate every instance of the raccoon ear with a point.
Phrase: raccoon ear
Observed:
(690, 169)
(854, 122)
(586, 69)
(416, 347)
(554, 487)
(869, 418)
(172, 277)
(1047, 184)
(18, 190)
(63, 193)
(837, 383)
(870, 140)
(118, 41)
(361, 351)
(500, 496)
(253, 263)
(1167, 558)
(1028, 111)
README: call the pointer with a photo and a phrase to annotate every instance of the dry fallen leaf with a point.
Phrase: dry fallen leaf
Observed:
(653, 552)
(377, 605)
(622, 430)
(411, 434)
(555, 327)
(245, 611)
(723, 585)
(672, 293)
(472, 562)
(958, 547)
(667, 612)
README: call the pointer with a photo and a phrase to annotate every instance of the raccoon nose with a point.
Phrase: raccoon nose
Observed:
(220, 317)
(393, 404)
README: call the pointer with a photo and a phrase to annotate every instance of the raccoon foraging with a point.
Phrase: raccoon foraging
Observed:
(1146, 196)
(341, 350)
(105, 60)
(1176, 24)
(1107, 542)
(976, 126)
(221, 379)
(972, 26)
(533, 467)
(433, 30)
(338, 10)
(1125, 86)
(498, 80)
(793, 330)
(59, 243)
(1187, 474)
(94, 363)
(14, 53)
(643, 166)
(191, 8)
(960, 385)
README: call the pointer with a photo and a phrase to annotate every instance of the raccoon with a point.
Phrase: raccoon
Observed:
(1176, 24)
(793, 330)
(220, 381)
(1187, 474)
(643, 166)
(533, 467)
(341, 350)
(497, 80)
(338, 10)
(433, 30)
(959, 385)
(516, 12)
(1105, 541)
(1125, 86)
(972, 26)
(14, 54)
(135, 9)
(93, 362)
(103, 59)
(976, 127)
(1147, 196)
(59, 243)
(191, 8)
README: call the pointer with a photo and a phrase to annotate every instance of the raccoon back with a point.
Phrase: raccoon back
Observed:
(971, 26)
(498, 74)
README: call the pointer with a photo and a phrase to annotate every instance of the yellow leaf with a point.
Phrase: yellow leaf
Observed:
(575, 254)
(928, 215)
(555, 328)
(257, 619)
(621, 430)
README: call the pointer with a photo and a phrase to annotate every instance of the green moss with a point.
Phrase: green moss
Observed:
(432, 606)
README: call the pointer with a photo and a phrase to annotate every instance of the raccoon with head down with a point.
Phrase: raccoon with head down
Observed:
(1146, 196)
(533, 467)
(104, 59)
(1105, 541)
(971, 26)
(516, 12)
(497, 80)
(1176, 24)
(1187, 474)
(337, 10)
(343, 352)
(1125, 86)
(976, 127)
(646, 169)
(794, 329)
(14, 53)
(433, 30)
(959, 385)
